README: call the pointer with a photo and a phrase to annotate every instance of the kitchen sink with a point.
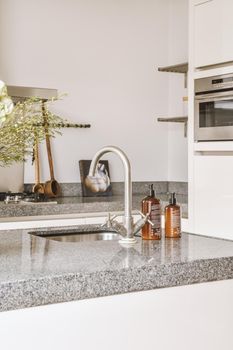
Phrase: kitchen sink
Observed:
(78, 236)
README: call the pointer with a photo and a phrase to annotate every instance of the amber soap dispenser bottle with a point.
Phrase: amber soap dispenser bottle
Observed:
(151, 205)
(172, 218)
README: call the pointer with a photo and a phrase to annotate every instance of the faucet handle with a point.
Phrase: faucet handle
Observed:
(141, 222)
(112, 224)
(108, 221)
(146, 216)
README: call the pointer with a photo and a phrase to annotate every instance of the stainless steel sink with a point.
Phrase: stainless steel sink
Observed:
(72, 236)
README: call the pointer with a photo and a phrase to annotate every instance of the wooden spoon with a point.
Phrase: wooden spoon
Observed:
(38, 187)
(51, 187)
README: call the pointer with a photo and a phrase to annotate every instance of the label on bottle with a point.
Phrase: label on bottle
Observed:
(175, 219)
(155, 216)
(172, 222)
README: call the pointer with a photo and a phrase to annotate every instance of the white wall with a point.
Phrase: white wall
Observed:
(104, 54)
(178, 53)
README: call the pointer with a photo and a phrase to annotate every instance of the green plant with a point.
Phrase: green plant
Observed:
(21, 124)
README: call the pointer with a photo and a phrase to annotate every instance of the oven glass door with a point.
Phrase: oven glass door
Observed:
(214, 119)
(214, 114)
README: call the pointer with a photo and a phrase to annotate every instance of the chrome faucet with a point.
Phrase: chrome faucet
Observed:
(127, 229)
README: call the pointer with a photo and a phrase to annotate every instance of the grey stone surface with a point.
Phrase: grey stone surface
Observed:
(67, 189)
(140, 187)
(74, 205)
(178, 187)
(37, 271)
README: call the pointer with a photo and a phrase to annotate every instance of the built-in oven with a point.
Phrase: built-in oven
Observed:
(213, 119)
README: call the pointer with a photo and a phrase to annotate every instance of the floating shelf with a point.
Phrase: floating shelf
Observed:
(21, 93)
(177, 68)
(175, 120)
(66, 125)
(28, 92)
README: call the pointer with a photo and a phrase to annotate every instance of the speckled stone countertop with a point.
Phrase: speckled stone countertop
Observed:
(74, 205)
(38, 271)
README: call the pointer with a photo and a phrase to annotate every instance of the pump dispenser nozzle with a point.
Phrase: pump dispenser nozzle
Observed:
(152, 191)
(173, 198)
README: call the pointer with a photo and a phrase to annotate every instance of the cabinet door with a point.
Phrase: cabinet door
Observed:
(193, 317)
(213, 195)
(213, 32)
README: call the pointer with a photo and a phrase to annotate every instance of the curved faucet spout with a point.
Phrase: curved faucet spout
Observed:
(128, 219)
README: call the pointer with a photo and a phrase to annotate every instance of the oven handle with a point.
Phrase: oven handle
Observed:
(215, 97)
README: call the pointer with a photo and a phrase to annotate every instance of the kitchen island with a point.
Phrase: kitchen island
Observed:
(38, 271)
(100, 294)
(59, 292)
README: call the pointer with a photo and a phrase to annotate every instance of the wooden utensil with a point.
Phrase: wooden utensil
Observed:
(51, 187)
(38, 187)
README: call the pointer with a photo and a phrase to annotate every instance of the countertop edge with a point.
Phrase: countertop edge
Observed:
(54, 289)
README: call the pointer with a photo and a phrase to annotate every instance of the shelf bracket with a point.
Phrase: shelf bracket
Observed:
(177, 68)
(176, 120)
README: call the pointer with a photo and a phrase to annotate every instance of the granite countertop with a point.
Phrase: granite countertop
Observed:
(74, 205)
(37, 271)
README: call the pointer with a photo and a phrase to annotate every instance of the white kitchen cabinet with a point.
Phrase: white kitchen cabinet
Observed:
(189, 317)
(198, 2)
(213, 195)
(213, 32)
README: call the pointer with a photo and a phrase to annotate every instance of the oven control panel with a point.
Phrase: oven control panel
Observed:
(222, 83)
(211, 84)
